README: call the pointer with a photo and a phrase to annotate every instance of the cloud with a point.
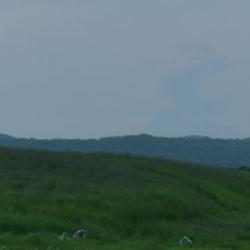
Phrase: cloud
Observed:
(208, 96)
(98, 68)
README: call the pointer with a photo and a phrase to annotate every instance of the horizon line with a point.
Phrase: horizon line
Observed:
(122, 136)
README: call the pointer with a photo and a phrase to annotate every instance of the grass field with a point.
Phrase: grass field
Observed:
(125, 203)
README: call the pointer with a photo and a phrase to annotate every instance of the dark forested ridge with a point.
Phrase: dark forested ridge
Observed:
(224, 152)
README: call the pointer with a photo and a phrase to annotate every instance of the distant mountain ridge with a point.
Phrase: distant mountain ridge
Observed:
(200, 149)
(6, 137)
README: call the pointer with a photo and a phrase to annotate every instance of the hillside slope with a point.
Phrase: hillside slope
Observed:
(124, 202)
(204, 150)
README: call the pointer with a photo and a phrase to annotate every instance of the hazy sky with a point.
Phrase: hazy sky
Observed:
(92, 68)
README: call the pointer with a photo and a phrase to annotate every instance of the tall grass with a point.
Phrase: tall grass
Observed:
(123, 202)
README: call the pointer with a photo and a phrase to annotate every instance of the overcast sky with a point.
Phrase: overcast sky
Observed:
(93, 68)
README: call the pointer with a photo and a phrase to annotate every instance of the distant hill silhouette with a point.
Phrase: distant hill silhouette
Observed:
(200, 149)
(4, 137)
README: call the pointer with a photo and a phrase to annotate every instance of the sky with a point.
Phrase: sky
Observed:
(94, 68)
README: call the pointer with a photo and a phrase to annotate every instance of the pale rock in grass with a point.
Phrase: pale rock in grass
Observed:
(80, 234)
(185, 241)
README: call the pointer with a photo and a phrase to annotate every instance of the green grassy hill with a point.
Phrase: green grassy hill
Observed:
(125, 203)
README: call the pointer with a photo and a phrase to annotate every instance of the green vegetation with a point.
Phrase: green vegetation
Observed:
(125, 203)
(204, 150)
